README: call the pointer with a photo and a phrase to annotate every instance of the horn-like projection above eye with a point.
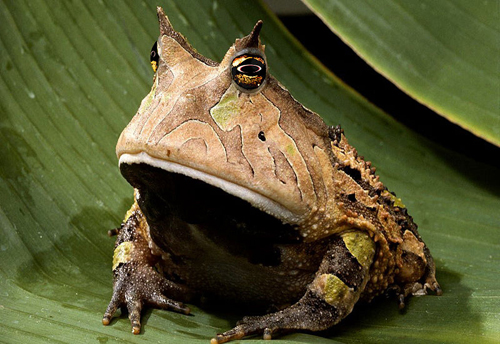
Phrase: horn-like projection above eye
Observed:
(248, 71)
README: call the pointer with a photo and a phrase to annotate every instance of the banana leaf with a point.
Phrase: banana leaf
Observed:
(445, 54)
(72, 74)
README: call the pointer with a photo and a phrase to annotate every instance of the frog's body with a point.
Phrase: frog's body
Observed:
(246, 197)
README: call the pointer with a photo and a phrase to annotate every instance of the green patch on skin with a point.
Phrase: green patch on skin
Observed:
(227, 108)
(146, 102)
(361, 246)
(399, 203)
(396, 200)
(123, 253)
(290, 149)
(335, 290)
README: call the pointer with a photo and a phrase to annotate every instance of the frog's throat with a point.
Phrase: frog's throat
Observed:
(256, 199)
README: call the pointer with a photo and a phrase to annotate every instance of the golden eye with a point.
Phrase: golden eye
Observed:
(248, 71)
(154, 57)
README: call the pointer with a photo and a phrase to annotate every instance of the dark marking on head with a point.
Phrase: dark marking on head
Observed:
(335, 134)
(353, 173)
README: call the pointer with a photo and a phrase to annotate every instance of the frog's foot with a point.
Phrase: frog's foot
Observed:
(434, 286)
(430, 281)
(245, 328)
(418, 289)
(135, 282)
(427, 282)
(138, 285)
(309, 313)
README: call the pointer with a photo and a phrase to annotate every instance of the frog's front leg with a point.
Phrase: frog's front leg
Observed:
(135, 281)
(338, 284)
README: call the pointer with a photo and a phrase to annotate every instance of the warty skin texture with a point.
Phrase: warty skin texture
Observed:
(244, 196)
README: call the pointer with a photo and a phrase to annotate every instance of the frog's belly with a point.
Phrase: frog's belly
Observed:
(214, 272)
(220, 245)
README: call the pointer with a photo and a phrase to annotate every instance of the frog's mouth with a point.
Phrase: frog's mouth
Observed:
(256, 199)
(174, 201)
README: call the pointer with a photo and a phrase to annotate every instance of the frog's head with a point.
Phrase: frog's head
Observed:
(230, 125)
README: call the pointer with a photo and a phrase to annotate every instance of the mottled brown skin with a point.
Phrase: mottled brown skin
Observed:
(245, 197)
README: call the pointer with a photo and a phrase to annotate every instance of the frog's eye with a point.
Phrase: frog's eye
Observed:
(248, 71)
(154, 57)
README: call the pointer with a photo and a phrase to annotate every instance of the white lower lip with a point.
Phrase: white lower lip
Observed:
(256, 199)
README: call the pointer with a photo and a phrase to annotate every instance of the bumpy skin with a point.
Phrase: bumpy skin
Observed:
(243, 196)
(133, 264)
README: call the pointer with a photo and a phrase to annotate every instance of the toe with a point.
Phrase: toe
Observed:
(267, 334)
(163, 302)
(134, 314)
(110, 311)
(235, 333)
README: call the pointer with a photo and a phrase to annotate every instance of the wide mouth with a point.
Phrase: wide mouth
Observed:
(173, 199)
(256, 199)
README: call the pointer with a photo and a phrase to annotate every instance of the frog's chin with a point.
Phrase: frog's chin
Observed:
(256, 199)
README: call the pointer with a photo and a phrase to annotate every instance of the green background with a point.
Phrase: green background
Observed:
(73, 74)
(445, 54)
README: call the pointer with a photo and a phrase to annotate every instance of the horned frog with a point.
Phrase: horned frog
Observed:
(244, 196)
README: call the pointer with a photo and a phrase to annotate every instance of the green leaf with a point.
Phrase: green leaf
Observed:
(445, 54)
(72, 74)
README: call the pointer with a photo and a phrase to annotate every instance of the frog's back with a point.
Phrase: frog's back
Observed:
(402, 262)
